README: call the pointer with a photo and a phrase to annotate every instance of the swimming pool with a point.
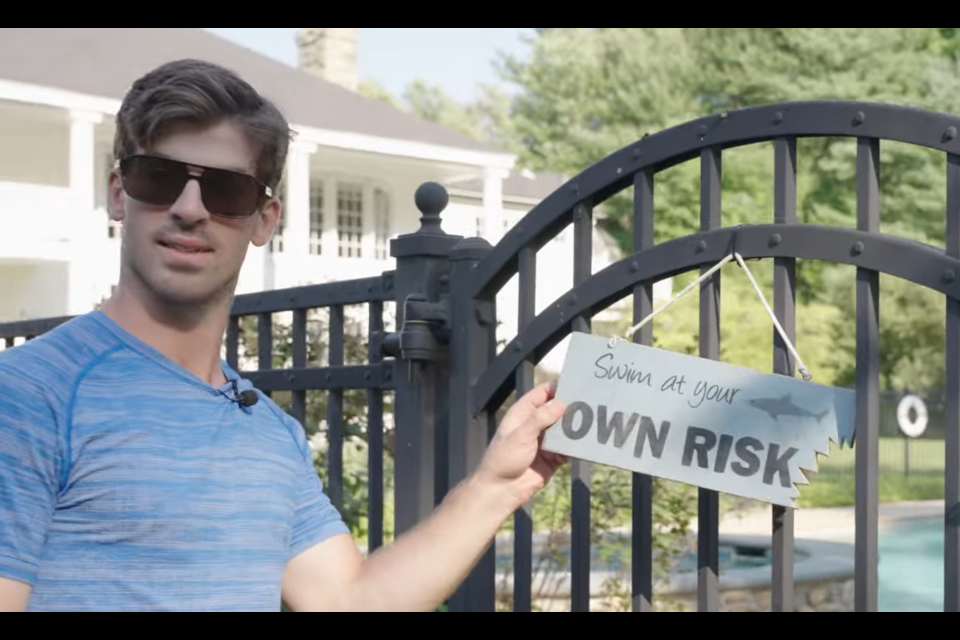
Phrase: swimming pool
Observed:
(911, 566)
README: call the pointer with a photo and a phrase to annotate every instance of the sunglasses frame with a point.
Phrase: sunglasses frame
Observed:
(265, 192)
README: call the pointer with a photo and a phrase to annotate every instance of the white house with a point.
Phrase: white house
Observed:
(348, 188)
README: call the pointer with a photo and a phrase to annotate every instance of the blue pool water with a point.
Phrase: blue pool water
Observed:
(911, 566)
(910, 572)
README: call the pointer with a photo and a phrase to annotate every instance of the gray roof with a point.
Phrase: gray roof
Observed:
(105, 62)
(519, 184)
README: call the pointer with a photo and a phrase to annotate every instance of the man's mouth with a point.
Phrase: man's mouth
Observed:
(186, 246)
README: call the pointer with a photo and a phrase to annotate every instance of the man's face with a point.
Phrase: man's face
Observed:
(181, 253)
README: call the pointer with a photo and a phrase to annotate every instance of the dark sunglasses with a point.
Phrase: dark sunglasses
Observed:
(160, 181)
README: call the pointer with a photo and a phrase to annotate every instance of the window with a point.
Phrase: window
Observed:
(316, 217)
(350, 220)
(381, 213)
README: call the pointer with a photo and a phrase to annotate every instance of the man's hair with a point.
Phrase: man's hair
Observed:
(204, 94)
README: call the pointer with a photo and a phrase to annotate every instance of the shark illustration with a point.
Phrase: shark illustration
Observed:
(784, 406)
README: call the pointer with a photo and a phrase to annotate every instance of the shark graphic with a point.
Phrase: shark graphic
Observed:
(784, 406)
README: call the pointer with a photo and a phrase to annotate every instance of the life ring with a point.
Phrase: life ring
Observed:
(912, 428)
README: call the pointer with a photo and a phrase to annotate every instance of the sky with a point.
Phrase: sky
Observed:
(456, 59)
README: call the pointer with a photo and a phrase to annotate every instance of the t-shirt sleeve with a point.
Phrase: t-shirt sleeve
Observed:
(29, 474)
(316, 518)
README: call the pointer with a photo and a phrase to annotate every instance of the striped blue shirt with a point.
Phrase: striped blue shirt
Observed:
(129, 484)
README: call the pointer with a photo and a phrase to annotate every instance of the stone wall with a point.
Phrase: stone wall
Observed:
(818, 597)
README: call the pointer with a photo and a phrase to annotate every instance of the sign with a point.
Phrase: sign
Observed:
(912, 428)
(697, 421)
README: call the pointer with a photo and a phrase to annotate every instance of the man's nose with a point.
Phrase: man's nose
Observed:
(189, 207)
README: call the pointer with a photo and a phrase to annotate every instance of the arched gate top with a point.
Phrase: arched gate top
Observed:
(910, 260)
(684, 142)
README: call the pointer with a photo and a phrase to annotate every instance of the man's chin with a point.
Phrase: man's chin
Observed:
(182, 293)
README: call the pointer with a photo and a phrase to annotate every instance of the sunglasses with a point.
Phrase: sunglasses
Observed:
(160, 181)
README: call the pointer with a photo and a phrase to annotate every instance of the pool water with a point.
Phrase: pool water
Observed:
(730, 558)
(910, 571)
(911, 566)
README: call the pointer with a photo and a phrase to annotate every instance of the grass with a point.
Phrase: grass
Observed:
(835, 483)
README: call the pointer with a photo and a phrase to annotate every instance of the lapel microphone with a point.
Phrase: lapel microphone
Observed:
(246, 398)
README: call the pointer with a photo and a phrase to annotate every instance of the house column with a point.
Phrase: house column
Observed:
(296, 215)
(493, 204)
(89, 230)
(296, 232)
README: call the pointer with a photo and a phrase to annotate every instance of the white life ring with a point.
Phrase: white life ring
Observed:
(912, 428)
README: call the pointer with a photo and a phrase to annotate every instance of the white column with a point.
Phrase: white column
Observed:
(297, 217)
(296, 220)
(493, 203)
(89, 237)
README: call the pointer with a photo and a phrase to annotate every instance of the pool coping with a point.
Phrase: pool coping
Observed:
(815, 561)
(831, 523)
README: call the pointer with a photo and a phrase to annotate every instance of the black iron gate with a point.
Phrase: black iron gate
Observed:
(449, 381)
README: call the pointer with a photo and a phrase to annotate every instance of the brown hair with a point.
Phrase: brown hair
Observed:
(202, 93)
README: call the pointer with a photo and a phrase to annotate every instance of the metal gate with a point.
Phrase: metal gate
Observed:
(449, 381)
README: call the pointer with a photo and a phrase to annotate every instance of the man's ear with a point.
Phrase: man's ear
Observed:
(267, 221)
(116, 197)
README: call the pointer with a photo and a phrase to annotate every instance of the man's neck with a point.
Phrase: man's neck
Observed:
(190, 339)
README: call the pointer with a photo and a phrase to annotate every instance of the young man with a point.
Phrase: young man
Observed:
(132, 477)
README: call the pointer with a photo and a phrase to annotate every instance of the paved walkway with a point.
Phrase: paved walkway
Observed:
(835, 524)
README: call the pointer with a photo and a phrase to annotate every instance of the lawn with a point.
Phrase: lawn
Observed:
(834, 484)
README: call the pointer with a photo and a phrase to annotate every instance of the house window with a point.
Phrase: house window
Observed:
(381, 212)
(316, 217)
(350, 220)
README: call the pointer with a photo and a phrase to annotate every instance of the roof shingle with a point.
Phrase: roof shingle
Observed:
(105, 62)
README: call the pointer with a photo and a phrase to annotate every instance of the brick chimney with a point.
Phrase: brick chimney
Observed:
(330, 54)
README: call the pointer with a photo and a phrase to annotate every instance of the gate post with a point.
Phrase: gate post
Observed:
(473, 346)
(421, 349)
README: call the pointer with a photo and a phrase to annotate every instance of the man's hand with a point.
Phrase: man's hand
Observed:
(515, 462)
(425, 566)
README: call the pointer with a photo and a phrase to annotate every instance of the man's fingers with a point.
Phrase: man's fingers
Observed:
(547, 415)
(539, 395)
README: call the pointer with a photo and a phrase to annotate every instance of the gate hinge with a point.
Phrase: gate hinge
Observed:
(425, 334)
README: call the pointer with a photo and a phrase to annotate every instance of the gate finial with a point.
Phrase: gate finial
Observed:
(431, 199)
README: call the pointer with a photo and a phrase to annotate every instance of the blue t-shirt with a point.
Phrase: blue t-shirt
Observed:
(129, 484)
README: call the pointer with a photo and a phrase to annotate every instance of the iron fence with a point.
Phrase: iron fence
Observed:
(448, 380)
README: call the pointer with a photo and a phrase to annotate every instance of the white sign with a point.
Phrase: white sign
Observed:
(697, 421)
(912, 428)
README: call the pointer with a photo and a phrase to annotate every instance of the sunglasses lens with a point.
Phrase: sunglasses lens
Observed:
(154, 180)
(159, 181)
(229, 194)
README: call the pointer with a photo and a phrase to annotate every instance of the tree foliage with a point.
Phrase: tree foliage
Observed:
(580, 94)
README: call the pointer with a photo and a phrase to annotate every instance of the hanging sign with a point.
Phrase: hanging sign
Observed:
(696, 421)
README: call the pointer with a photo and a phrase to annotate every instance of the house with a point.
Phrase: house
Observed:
(348, 187)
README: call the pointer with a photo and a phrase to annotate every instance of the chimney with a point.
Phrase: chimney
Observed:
(330, 54)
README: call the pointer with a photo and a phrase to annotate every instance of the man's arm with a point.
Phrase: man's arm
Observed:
(14, 596)
(425, 566)
(30, 449)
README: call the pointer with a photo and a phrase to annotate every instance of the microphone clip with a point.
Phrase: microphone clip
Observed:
(246, 398)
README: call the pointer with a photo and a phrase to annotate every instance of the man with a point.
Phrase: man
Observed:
(133, 478)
